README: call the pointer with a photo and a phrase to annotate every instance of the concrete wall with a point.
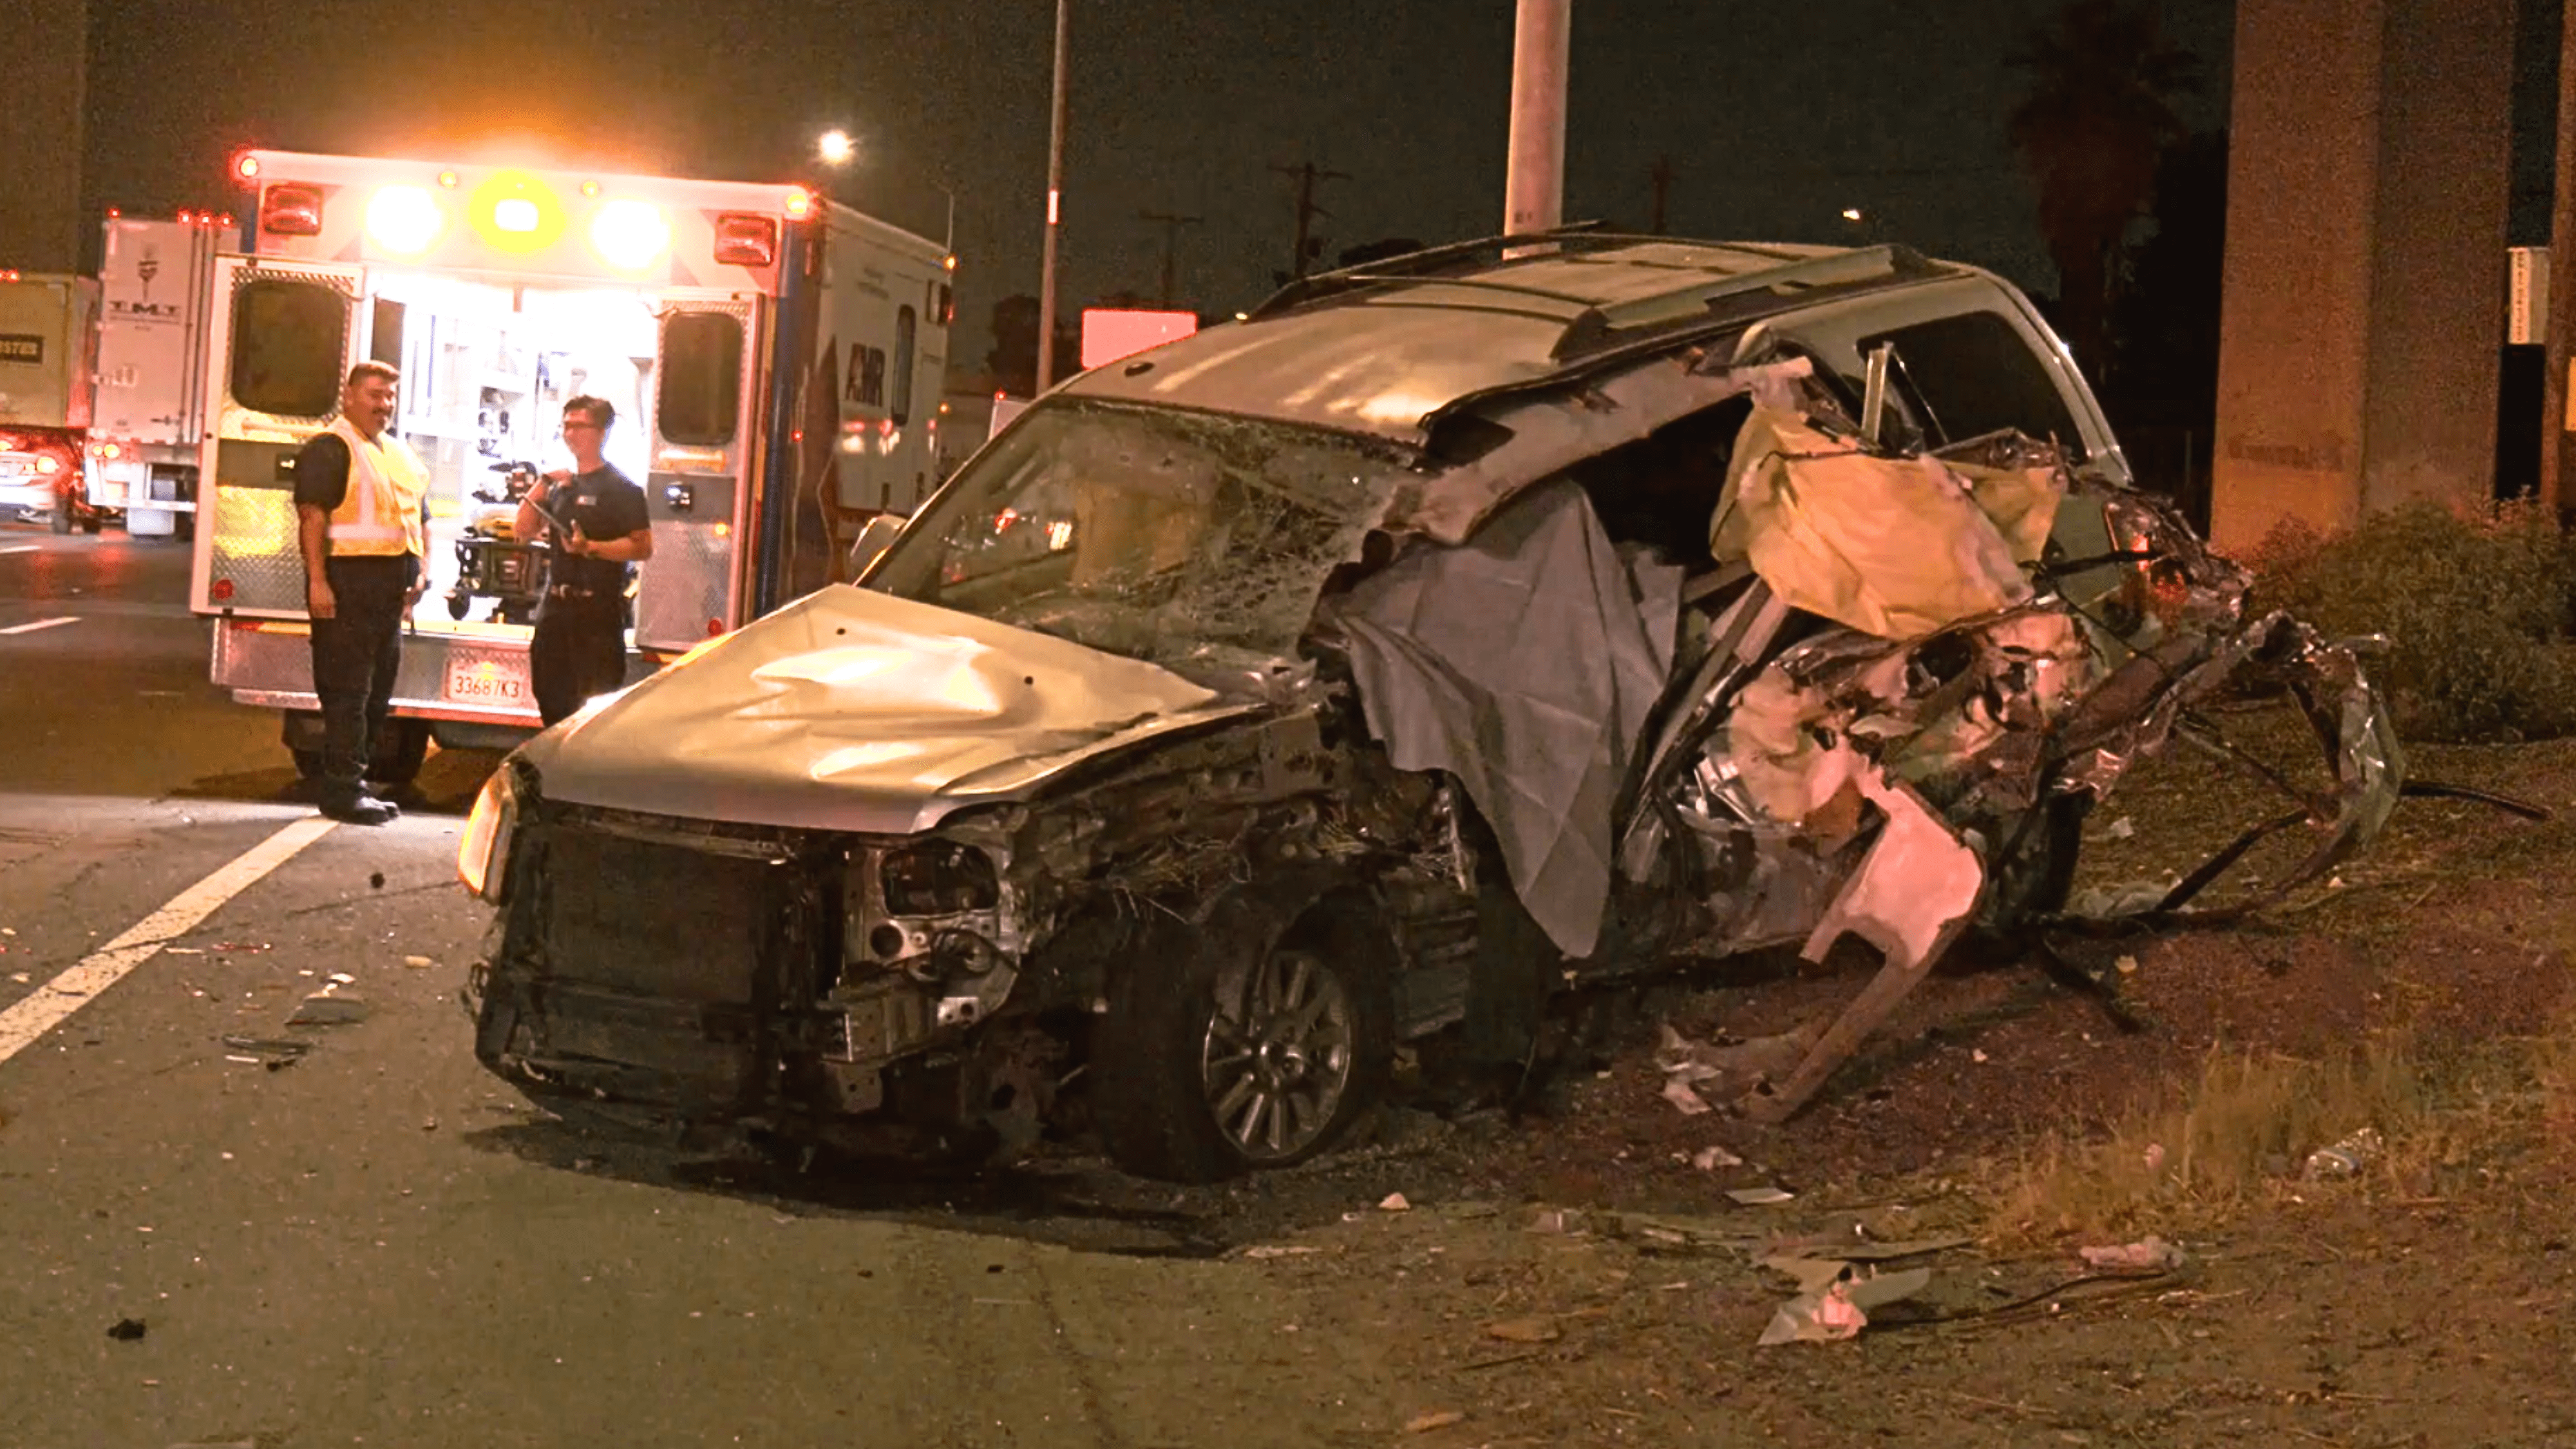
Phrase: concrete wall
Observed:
(46, 42)
(2367, 185)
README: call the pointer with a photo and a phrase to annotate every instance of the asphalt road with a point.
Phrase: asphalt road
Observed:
(375, 1242)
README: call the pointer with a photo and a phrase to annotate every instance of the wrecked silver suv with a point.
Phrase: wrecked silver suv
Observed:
(1480, 624)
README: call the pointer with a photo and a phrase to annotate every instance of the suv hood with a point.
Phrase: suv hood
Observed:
(856, 710)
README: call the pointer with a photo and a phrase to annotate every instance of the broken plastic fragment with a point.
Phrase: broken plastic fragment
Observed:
(1440, 1419)
(2150, 1254)
(1760, 1196)
(1709, 1159)
(1394, 1203)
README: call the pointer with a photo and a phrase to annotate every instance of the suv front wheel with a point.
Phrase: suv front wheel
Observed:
(1256, 1038)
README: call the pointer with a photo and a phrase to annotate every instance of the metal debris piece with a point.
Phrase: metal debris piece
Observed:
(1760, 1196)
(1839, 1309)
(2345, 1156)
(328, 1008)
(1699, 1073)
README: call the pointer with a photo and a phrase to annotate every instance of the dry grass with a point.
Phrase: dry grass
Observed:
(2239, 1137)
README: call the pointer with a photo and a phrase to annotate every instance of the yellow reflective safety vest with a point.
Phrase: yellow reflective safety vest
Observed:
(379, 513)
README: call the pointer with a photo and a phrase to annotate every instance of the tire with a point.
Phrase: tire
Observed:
(1174, 1103)
(2037, 880)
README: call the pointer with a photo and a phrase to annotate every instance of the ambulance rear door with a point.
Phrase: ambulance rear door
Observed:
(282, 336)
(705, 454)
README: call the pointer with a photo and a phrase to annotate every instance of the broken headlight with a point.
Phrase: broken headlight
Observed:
(483, 856)
(938, 878)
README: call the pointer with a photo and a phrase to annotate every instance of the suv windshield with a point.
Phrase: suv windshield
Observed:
(1176, 537)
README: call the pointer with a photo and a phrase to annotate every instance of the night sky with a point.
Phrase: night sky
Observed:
(1775, 116)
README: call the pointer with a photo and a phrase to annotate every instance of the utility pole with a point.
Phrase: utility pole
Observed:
(2557, 437)
(1662, 175)
(1307, 175)
(1171, 239)
(1534, 183)
(1055, 201)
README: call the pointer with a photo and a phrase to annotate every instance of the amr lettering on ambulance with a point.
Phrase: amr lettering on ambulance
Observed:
(775, 360)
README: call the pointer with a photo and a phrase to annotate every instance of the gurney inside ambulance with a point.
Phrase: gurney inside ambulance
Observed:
(487, 369)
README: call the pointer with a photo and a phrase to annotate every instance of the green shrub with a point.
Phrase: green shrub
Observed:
(2476, 605)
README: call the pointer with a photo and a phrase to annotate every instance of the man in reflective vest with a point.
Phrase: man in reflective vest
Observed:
(359, 513)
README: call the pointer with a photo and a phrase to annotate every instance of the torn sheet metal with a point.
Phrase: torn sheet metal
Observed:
(855, 710)
(1526, 663)
(1554, 431)
(1891, 546)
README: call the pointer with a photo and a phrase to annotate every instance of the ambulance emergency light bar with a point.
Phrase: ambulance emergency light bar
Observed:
(645, 229)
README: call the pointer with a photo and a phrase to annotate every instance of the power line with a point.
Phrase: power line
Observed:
(1172, 225)
(1307, 174)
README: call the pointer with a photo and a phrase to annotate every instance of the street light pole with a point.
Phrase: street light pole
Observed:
(1534, 184)
(1055, 201)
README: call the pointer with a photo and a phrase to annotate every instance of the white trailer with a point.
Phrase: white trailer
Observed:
(47, 332)
(156, 278)
(774, 359)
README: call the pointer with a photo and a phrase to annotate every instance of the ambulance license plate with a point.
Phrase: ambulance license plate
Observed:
(485, 681)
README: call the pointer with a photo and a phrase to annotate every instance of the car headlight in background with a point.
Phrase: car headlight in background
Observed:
(483, 856)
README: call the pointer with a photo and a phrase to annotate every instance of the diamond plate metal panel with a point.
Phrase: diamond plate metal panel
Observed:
(254, 548)
(684, 585)
(251, 659)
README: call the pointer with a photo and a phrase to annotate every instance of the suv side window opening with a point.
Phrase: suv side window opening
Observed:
(1972, 373)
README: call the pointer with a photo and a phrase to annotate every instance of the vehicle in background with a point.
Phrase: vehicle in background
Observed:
(147, 418)
(47, 333)
(774, 360)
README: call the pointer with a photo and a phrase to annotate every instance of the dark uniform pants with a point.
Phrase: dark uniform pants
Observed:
(355, 658)
(579, 651)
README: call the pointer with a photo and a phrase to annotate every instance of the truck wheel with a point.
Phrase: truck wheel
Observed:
(399, 752)
(1247, 1041)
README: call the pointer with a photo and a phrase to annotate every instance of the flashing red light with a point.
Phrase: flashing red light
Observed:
(221, 591)
(246, 167)
(746, 239)
(291, 209)
(800, 203)
(226, 222)
(183, 218)
(714, 627)
(113, 213)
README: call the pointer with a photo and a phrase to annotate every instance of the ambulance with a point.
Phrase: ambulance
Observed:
(775, 360)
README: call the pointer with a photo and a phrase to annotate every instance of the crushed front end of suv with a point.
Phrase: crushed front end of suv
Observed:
(1475, 626)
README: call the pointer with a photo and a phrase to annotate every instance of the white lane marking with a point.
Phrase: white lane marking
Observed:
(40, 624)
(45, 1008)
(22, 548)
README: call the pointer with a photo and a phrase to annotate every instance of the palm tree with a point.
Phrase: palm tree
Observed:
(2092, 129)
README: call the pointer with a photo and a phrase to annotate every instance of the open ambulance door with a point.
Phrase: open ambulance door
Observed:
(282, 336)
(704, 456)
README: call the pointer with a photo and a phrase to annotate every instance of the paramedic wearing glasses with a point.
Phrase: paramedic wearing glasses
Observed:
(580, 647)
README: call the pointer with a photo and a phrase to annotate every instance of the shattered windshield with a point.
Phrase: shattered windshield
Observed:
(1158, 534)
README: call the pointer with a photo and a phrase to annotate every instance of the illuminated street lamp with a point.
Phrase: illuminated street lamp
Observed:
(836, 148)
(1851, 213)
